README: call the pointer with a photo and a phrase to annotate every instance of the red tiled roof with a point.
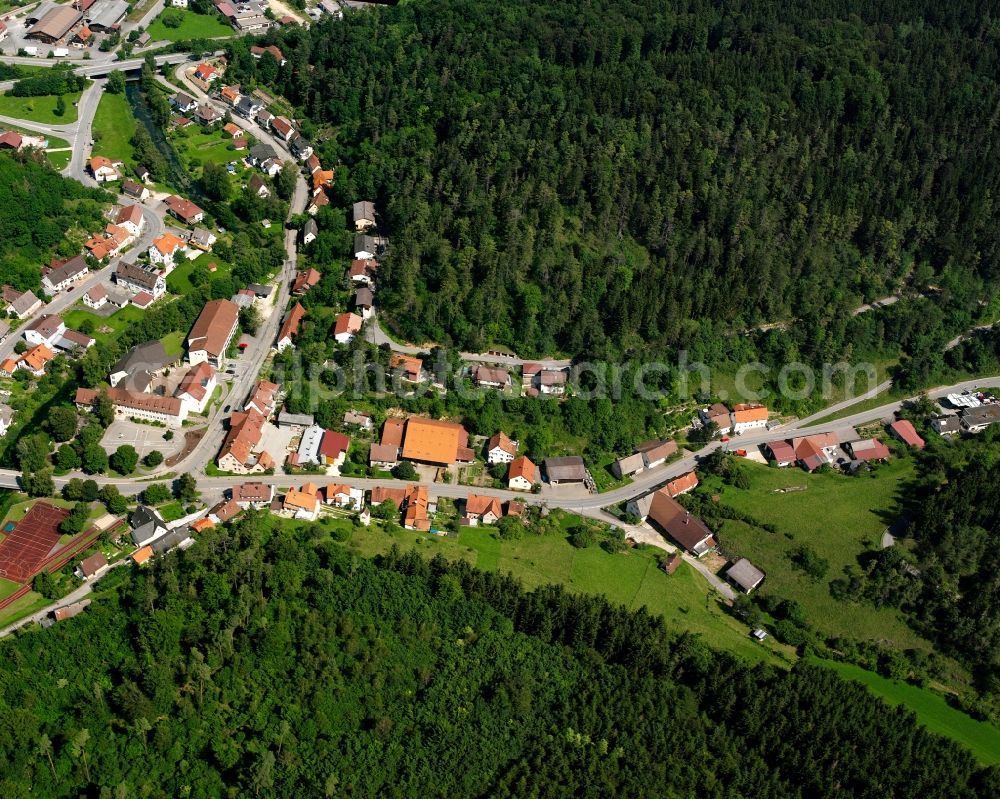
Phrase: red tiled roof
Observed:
(333, 444)
(521, 467)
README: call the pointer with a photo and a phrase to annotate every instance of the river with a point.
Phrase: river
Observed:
(176, 173)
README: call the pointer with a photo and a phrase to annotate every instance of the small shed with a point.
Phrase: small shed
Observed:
(744, 575)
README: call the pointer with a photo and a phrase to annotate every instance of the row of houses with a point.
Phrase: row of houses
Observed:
(824, 449)
(241, 451)
(125, 225)
(648, 455)
(968, 420)
(740, 419)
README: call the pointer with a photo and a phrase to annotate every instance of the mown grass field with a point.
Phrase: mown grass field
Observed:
(114, 126)
(839, 518)
(980, 737)
(179, 280)
(196, 147)
(24, 606)
(193, 26)
(7, 587)
(633, 578)
(117, 322)
(39, 109)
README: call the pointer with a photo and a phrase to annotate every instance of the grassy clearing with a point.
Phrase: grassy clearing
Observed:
(981, 738)
(116, 323)
(172, 511)
(173, 343)
(193, 26)
(24, 606)
(39, 109)
(196, 146)
(179, 280)
(7, 587)
(114, 126)
(839, 518)
(59, 160)
(632, 579)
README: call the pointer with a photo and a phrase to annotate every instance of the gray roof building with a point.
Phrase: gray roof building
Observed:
(744, 575)
(632, 464)
(172, 539)
(286, 419)
(570, 469)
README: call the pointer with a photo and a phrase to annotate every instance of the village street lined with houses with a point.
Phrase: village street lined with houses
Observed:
(245, 450)
(238, 425)
(388, 382)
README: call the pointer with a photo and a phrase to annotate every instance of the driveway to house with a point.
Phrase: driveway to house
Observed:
(74, 596)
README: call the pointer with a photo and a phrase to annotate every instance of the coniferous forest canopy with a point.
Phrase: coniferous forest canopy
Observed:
(267, 662)
(609, 176)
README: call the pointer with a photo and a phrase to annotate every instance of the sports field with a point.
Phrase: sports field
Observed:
(26, 548)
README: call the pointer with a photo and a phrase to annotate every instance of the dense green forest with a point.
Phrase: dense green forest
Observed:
(950, 584)
(38, 208)
(271, 662)
(595, 177)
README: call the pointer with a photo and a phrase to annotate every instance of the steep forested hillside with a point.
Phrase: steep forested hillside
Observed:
(950, 584)
(37, 210)
(264, 663)
(593, 175)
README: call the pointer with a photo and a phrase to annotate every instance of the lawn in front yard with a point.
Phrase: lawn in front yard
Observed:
(114, 126)
(193, 26)
(39, 109)
(836, 516)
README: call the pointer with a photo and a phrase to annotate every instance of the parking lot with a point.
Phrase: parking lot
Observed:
(145, 438)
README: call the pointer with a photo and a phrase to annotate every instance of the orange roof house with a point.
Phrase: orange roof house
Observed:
(415, 509)
(202, 525)
(682, 484)
(392, 432)
(482, 508)
(231, 94)
(395, 495)
(167, 244)
(37, 357)
(140, 556)
(305, 280)
(904, 430)
(304, 502)
(346, 326)
(410, 366)
(521, 473)
(433, 441)
(749, 416)
(322, 177)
